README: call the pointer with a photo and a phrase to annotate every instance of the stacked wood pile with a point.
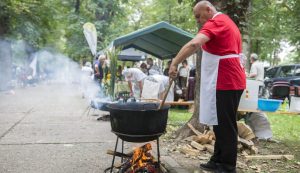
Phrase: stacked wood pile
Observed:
(205, 141)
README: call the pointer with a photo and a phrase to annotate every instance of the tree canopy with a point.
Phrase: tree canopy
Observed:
(58, 23)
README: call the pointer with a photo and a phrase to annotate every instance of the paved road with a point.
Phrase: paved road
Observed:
(44, 129)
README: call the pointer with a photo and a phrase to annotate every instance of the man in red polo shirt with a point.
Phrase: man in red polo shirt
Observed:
(222, 81)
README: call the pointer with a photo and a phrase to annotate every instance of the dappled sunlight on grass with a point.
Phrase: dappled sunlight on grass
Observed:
(178, 116)
(285, 127)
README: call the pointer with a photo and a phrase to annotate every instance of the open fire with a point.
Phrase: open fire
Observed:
(141, 161)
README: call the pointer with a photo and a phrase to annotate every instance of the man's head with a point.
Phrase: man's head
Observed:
(169, 63)
(204, 11)
(184, 63)
(253, 57)
(149, 61)
(143, 66)
(127, 74)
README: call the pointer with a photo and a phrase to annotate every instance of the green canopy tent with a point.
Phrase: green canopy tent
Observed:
(161, 40)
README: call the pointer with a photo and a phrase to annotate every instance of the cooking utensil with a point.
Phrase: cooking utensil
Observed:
(166, 94)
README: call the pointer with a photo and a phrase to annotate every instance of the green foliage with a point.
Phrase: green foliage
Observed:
(28, 20)
(58, 23)
(237, 10)
(144, 13)
(113, 56)
(272, 22)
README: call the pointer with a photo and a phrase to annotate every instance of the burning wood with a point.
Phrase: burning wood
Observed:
(142, 159)
(138, 161)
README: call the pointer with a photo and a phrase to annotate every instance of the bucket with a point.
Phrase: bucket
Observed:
(269, 105)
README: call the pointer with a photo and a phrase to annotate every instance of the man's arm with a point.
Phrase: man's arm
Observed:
(253, 75)
(130, 87)
(253, 71)
(141, 87)
(96, 69)
(187, 50)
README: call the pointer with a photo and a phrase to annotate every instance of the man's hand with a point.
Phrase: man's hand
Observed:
(173, 72)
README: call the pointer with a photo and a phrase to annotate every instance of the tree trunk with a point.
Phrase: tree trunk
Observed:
(246, 36)
(77, 6)
(185, 131)
(246, 50)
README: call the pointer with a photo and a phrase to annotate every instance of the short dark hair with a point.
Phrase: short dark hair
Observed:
(143, 65)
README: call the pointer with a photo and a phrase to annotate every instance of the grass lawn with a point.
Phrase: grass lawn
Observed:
(178, 116)
(285, 127)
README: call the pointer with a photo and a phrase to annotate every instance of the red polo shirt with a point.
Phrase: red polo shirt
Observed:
(225, 39)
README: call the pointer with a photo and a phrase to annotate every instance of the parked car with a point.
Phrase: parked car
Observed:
(277, 80)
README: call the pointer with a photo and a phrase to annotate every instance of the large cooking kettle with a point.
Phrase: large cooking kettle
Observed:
(138, 121)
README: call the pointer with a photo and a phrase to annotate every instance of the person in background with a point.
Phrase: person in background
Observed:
(257, 68)
(223, 81)
(98, 70)
(258, 121)
(152, 69)
(106, 69)
(257, 71)
(135, 78)
(144, 69)
(119, 73)
(191, 84)
(166, 71)
(86, 78)
(87, 69)
(183, 74)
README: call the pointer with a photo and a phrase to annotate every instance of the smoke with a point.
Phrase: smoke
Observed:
(22, 66)
(59, 69)
(5, 64)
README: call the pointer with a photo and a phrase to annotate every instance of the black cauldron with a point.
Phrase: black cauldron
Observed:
(138, 121)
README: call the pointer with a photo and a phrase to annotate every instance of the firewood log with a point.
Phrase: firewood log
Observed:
(245, 131)
(197, 146)
(270, 157)
(209, 148)
(193, 129)
(202, 139)
(118, 154)
(246, 143)
(188, 151)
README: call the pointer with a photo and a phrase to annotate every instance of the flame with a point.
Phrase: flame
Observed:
(142, 158)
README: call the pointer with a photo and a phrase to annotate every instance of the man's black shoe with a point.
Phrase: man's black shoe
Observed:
(209, 166)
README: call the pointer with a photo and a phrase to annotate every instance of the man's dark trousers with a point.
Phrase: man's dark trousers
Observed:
(225, 151)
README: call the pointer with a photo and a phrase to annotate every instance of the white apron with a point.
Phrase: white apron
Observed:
(208, 87)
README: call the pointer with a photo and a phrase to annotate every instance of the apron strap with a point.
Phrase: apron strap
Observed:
(230, 56)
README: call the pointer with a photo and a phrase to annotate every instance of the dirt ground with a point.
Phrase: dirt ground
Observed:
(191, 163)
